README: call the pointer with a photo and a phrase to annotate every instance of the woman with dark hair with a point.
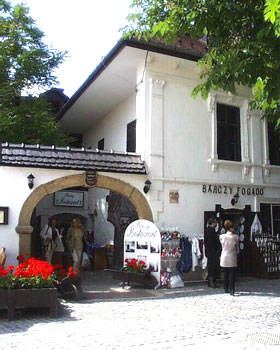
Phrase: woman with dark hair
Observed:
(212, 252)
(52, 245)
(229, 243)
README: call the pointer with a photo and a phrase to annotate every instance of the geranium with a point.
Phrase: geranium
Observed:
(71, 272)
(135, 265)
(32, 273)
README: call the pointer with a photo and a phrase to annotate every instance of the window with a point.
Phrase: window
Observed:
(273, 144)
(131, 137)
(270, 218)
(228, 132)
(77, 142)
(100, 144)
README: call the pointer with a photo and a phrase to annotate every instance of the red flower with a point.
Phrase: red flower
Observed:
(134, 265)
(71, 272)
(20, 258)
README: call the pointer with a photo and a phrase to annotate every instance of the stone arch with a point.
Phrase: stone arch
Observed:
(24, 227)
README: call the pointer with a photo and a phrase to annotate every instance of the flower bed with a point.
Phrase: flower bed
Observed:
(32, 284)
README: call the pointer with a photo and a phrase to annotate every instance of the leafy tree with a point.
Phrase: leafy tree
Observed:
(26, 65)
(243, 42)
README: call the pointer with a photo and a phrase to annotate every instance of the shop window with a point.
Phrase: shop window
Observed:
(100, 144)
(274, 144)
(270, 218)
(131, 137)
(276, 219)
(228, 132)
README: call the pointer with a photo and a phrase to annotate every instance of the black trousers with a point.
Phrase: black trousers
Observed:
(213, 267)
(229, 278)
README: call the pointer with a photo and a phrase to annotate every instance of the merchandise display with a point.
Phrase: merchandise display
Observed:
(179, 255)
(170, 255)
(269, 249)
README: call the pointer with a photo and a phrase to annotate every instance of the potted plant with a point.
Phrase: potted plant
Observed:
(32, 284)
(135, 272)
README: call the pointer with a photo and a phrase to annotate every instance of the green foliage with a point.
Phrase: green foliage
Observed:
(26, 66)
(243, 42)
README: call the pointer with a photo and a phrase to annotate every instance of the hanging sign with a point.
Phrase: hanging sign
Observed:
(142, 241)
(91, 178)
(69, 199)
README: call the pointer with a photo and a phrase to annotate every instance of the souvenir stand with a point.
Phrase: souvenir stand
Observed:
(242, 220)
(142, 241)
(170, 254)
(259, 251)
(182, 258)
(265, 252)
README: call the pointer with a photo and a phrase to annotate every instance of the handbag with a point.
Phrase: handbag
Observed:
(46, 244)
(85, 260)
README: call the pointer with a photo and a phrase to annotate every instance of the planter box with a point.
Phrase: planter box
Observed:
(12, 299)
(143, 279)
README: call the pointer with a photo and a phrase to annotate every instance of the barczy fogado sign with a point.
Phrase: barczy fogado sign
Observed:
(231, 190)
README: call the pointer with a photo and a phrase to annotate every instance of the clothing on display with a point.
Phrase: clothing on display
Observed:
(180, 254)
(256, 226)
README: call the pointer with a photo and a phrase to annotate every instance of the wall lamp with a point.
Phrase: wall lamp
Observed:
(235, 199)
(147, 186)
(30, 179)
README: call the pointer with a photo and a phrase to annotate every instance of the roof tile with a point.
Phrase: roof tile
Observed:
(70, 158)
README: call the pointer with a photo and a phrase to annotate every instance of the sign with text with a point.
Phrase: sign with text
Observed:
(231, 190)
(69, 199)
(142, 241)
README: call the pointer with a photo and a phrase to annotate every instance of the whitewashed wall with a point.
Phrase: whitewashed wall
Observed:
(180, 149)
(112, 127)
(176, 136)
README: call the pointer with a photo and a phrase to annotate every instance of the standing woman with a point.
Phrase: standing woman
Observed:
(74, 241)
(52, 245)
(229, 243)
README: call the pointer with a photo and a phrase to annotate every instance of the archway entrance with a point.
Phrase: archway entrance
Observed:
(25, 228)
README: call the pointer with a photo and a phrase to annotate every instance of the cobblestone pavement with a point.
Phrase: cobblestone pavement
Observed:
(192, 318)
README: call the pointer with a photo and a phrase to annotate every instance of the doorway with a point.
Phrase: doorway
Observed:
(242, 220)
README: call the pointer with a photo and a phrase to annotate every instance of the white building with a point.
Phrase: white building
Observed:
(198, 153)
(203, 150)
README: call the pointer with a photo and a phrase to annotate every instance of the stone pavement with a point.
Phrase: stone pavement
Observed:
(194, 317)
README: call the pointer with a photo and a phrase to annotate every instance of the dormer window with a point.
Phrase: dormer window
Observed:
(131, 137)
(100, 144)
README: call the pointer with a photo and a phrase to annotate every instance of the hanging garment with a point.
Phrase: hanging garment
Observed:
(256, 226)
(185, 262)
(204, 260)
(196, 254)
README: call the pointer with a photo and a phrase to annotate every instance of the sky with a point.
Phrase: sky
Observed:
(87, 29)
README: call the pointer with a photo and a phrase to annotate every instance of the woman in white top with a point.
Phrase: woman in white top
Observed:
(52, 245)
(74, 241)
(228, 262)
